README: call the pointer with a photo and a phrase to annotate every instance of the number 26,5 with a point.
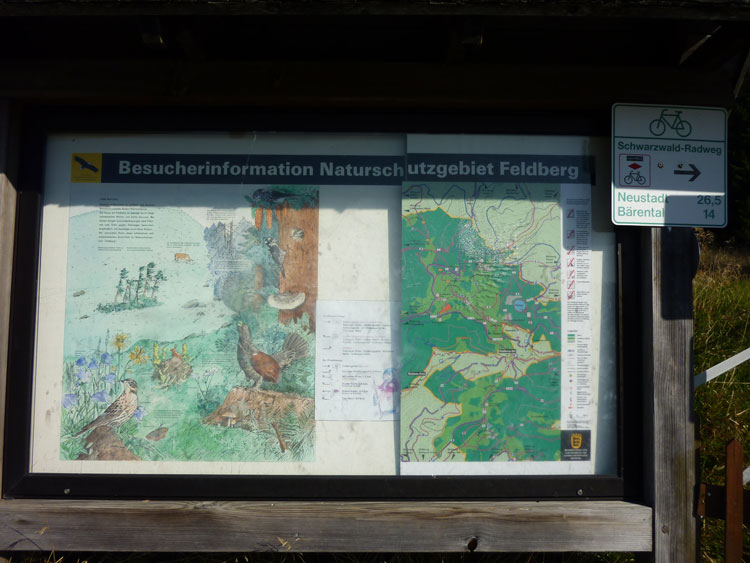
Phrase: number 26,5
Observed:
(708, 200)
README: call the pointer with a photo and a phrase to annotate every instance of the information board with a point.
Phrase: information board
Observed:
(299, 304)
(669, 165)
(496, 310)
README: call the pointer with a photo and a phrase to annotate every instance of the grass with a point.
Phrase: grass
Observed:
(722, 329)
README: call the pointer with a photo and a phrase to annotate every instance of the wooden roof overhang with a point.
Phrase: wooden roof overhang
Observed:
(490, 55)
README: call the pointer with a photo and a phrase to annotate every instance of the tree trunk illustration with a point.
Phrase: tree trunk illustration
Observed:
(258, 285)
(258, 408)
(298, 237)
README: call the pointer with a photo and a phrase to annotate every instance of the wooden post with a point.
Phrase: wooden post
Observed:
(734, 493)
(669, 435)
(7, 226)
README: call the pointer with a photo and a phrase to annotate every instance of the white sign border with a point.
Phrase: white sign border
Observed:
(613, 168)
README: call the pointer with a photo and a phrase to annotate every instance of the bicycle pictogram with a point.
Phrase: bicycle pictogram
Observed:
(671, 120)
(634, 170)
(634, 176)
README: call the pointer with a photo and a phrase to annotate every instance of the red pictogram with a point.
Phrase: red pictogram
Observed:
(634, 170)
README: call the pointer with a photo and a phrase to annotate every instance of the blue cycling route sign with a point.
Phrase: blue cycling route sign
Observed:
(669, 165)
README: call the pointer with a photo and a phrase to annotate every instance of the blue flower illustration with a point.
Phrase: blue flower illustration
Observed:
(107, 359)
(93, 364)
(110, 377)
(81, 361)
(101, 396)
(83, 375)
(69, 400)
(139, 413)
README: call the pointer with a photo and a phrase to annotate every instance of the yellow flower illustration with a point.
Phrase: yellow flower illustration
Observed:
(120, 339)
(138, 355)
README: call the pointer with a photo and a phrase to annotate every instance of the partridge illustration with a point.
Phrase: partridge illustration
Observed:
(119, 412)
(259, 365)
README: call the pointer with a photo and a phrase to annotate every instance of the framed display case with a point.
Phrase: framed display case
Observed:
(279, 309)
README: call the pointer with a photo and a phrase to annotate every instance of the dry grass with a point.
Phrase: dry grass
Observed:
(722, 329)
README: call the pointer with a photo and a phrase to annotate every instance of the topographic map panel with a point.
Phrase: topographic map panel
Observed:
(481, 322)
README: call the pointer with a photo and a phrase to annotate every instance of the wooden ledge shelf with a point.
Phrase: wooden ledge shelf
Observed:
(168, 526)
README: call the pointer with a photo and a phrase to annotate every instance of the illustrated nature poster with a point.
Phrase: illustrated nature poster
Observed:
(180, 304)
(189, 323)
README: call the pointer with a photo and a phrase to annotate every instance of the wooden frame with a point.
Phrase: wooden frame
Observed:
(323, 526)
(656, 520)
(20, 483)
(8, 137)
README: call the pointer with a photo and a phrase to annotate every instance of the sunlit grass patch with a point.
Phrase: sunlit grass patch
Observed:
(721, 330)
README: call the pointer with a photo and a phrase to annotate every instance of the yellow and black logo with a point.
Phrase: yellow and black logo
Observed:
(575, 445)
(86, 167)
(576, 440)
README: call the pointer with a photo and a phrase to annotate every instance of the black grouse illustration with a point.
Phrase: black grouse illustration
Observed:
(259, 365)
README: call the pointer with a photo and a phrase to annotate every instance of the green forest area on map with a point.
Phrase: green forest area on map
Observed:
(481, 322)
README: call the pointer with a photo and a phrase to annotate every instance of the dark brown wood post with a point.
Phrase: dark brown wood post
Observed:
(734, 493)
(669, 435)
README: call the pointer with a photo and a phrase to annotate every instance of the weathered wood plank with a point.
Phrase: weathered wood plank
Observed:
(669, 434)
(323, 526)
(7, 225)
(353, 84)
